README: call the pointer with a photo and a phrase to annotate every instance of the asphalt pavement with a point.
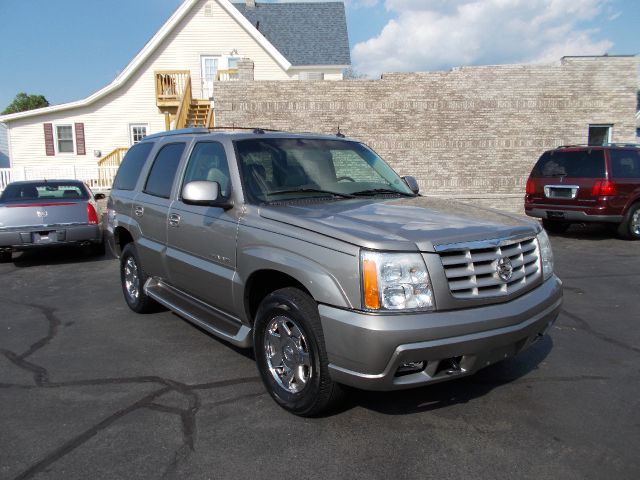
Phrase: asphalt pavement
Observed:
(88, 389)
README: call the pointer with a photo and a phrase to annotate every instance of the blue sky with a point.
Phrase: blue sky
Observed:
(67, 49)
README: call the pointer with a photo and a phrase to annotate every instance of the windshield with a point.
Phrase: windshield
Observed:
(50, 191)
(280, 169)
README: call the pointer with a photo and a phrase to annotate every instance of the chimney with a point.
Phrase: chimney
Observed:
(250, 3)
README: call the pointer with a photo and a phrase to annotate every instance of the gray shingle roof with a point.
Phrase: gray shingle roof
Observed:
(305, 33)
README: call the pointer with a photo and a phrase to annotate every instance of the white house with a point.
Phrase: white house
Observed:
(171, 82)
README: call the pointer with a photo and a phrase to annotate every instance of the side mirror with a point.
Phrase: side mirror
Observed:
(99, 196)
(205, 193)
(412, 183)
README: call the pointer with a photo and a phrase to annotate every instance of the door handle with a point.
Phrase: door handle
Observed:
(174, 220)
(138, 210)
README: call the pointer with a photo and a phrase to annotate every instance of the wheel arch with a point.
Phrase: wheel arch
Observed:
(269, 269)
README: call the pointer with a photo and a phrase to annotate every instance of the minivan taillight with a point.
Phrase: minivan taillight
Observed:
(92, 216)
(604, 188)
(531, 186)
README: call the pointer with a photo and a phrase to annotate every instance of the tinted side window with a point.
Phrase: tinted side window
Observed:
(580, 163)
(208, 161)
(164, 169)
(625, 163)
(131, 166)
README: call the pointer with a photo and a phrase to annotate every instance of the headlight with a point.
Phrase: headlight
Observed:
(546, 255)
(395, 281)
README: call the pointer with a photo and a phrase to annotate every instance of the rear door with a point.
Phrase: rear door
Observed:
(625, 171)
(566, 177)
(201, 256)
(151, 208)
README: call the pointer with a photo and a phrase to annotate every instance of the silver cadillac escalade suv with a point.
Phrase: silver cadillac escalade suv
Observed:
(314, 252)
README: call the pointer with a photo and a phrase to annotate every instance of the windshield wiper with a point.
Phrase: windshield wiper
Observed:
(375, 191)
(311, 190)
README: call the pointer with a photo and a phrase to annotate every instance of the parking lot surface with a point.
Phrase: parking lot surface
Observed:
(88, 389)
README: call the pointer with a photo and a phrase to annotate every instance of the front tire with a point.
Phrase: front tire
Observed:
(555, 226)
(629, 229)
(291, 355)
(133, 278)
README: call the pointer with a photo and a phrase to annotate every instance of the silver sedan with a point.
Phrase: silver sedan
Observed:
(46, 213)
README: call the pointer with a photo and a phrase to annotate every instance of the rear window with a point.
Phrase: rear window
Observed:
(131, 166)
(50, 191)
(625, 163)
(580, 163)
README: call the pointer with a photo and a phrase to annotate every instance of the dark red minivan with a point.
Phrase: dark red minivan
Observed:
(575, 184)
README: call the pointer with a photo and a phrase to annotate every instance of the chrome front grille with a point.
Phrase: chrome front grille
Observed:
(472, 273)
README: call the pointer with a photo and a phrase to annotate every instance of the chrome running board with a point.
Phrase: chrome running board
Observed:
(205, 316)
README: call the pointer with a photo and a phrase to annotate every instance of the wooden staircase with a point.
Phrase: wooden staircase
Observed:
(198, 115)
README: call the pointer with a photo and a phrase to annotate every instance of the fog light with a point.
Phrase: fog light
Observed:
(410, 367)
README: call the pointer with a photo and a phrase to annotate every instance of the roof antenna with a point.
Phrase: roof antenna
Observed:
(339, 134)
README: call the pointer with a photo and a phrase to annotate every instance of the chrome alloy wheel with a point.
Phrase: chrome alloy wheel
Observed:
(287, 353)
(131, 279)
(635, 223)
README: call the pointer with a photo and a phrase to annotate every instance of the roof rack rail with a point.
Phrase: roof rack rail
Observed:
(622, 144)
(181, 131)
(257, 130)
(578, 145)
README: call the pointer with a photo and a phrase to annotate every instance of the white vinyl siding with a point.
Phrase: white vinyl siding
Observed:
(196, 35)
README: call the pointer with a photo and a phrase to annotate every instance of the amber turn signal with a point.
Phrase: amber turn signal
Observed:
(370, 282)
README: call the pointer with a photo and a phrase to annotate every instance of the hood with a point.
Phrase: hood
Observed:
(405, 224)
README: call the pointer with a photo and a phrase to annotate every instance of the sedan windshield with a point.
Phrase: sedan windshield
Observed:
(282, 169)
(38, 191)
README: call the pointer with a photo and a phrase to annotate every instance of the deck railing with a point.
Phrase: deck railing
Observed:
(228, 75)
(183, 109)
(171, 86)
(114, 158)
(98, 178)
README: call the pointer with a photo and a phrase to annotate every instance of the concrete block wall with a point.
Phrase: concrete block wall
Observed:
(473, 133)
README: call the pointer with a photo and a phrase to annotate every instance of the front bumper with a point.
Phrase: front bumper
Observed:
(366, 350)
(49, 236)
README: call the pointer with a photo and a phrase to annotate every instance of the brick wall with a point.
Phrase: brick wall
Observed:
(472, 133)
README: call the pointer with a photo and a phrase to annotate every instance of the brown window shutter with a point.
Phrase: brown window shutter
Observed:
(48, 140)
(80, 147)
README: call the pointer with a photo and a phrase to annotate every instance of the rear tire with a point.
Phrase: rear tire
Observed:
(555, 226)
(629, 229)
(291, 354)
(133, 278)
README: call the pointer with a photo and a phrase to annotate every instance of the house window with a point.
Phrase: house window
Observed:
(137, 132)
(64, 138)
(599, 134)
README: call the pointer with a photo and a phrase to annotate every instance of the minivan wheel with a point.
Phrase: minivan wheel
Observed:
(555, 226)
(133, 279)
(291, 355)
(630, 226)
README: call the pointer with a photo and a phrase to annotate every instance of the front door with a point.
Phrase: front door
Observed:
(209, 73)
(201, 257)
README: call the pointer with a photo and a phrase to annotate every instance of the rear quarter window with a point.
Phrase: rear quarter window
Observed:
(625, 163)
(129, 171)
(577, 163)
